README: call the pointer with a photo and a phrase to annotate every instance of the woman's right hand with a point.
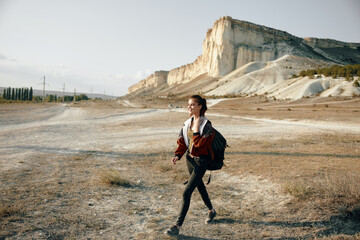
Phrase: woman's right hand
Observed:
(175, 159)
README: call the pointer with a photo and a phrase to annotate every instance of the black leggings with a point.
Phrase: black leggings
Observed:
(197, 169)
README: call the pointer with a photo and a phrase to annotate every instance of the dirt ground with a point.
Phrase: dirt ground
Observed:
(291, 170)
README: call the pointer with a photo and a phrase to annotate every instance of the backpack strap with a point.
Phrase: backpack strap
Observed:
(210, 148)
(209, 179)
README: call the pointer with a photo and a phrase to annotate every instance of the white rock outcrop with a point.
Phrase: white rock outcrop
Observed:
(231, 44)
(154, 80)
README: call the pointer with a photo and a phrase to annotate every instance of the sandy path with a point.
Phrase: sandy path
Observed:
(69, 130)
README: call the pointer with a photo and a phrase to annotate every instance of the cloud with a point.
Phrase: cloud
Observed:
(3, 57)
(142, 74)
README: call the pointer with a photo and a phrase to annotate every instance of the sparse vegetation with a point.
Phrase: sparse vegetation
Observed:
(20, 95)
(324, 179)
(348, 71)
(298, 186)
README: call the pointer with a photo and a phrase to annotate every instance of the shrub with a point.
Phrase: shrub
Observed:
(299, 190)
(112, 177)
(356, 83)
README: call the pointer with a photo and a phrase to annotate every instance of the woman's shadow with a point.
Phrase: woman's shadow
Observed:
(180, 237)
(216, 221)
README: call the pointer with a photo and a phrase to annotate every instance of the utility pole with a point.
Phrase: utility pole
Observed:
(74, 94)
(44, 90)
(63, 93)
(43, 83)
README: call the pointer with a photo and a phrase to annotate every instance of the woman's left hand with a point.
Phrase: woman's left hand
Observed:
(175, 159)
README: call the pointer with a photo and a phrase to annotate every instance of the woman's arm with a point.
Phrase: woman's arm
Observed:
(181, 149)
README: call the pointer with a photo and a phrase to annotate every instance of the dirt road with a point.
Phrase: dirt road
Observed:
(62, 129)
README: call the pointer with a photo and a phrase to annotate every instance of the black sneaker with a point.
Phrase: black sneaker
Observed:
(173, 231)
(210, 217)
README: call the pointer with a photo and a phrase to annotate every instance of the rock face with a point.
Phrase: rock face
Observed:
(231, 44)
(156, 79)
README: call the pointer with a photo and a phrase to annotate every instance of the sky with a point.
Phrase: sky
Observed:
(105, 46)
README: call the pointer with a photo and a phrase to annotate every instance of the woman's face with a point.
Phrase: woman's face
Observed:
(193, 107)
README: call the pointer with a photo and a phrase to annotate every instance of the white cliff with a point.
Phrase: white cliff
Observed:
(154, 80)
(231, 44)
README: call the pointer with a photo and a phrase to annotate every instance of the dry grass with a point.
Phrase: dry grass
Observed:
(161, 166)
(41, 200)
(334, 109)
(320, 171)
(56, 196)
(113, 177)
(338, 192)
(325, 186)
(341, 237)
(11, 211)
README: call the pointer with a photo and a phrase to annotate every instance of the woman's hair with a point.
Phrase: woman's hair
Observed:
(201, 101)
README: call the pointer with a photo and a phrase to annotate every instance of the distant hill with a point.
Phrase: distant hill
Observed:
(242, 58)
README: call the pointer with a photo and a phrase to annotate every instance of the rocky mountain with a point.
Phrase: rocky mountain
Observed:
(240, 57)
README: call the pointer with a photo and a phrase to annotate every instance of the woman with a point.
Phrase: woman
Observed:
(195, 140)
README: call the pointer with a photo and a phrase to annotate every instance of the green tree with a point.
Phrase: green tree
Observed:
(26, 94)
(37, 99)
(31, 94)
(356, 83)
(68, 98)
(8, 95)
(19, 94)
(81, 97)
(326, 72)
(4, 94)
(302, 73)
(22, 95)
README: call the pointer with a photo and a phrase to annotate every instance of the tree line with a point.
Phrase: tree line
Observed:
(26, 94)
(18, 94)
(77, 98)
(348, 72)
